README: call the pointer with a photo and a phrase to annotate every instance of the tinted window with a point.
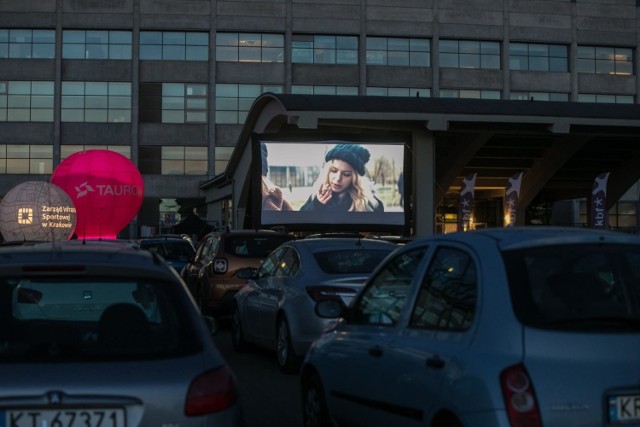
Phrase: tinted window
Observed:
(384, 298)
(575, 286)
(90, 318)
(351, 261)
(253, 246)
(447, 296)
(182, 251)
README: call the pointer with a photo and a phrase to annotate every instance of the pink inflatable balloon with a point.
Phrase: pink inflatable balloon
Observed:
(106, 189)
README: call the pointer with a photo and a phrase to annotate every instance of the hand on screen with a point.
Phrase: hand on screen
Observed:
(324, 194)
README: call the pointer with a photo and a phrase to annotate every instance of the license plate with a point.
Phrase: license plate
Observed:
(63, 418)
(624, 408)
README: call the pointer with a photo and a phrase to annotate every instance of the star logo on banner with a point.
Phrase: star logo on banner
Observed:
(598, 201)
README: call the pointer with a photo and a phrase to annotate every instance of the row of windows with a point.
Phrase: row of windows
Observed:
(110, 102)
(38, 159)
(312, 49)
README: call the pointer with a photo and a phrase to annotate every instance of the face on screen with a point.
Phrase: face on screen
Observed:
(332, 182)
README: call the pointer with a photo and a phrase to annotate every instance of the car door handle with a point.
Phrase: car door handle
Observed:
(435, 362)
(375, 351)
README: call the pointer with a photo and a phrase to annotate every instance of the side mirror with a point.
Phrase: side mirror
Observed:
(212, 324)
(330, 309)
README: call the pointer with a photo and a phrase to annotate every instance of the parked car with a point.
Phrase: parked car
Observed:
(275, 309)
(500, 327)
(175, 250)
(102, 333)
(211, 275)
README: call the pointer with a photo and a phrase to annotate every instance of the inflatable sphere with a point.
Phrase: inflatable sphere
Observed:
(37, 211)
(106, 189)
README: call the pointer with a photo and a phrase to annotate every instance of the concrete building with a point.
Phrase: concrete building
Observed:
(170, 83)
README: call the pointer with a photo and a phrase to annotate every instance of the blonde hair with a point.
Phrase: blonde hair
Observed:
(360, 190)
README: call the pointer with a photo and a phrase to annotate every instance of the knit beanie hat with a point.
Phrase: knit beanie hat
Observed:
(356, 155)
(265, 165)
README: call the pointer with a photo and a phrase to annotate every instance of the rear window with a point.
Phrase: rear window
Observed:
(253, 246)
(73, 318)
(351, 261)
(587, 287)
(177, 251)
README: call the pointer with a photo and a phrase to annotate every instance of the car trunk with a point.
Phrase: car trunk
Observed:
(576, 373)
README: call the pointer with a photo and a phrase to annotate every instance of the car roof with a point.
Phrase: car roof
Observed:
(175, 240)
(328, 243)
(82, 257)
(529, 236)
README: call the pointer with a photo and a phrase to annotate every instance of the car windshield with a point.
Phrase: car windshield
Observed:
(253, 246)
(350, 261)
(91, 318)
(590, 287)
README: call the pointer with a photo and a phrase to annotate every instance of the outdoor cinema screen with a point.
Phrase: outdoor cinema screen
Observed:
(345, 183)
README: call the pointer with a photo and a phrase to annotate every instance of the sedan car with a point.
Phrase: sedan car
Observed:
(212, 273)
(501, 327)
(99, 333)
(275, 309)
(175, 250)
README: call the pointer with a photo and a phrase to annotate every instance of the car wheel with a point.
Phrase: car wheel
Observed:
(288, 362)
(237, 336)
(314, 405)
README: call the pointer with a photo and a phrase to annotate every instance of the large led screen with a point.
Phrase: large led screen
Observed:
(348, 183)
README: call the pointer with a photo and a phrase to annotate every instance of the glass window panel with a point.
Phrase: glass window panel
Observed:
(398, 58)
(248, 91)
(19, 88)
(197, 39)
(586, 66)
(490, 62)
(197, 53)
(227, 54)
(175, 38)
(347, 57)
(605, 53)
(558, 51)
(449, 60)
(469, 47)
(96, 88)
(195, 153)
(448, 46)
(226, 104)
(326, 42)
(172, 103)
(538, 50)
(250, 54)
(120, 37)
(72, 88)
(123, 89)
(273, 55)
(325, 90)
(97, 51)
(42, 88)
(120, 51)
(119, 116)
(300, 89)
(586, 97)
(151, 37)
(173, 53)
(196, 117)
(42, 101)
(18, 166)
(4, 50)
(46, 51)
(302, 56)
(15, 151)
(40, 166)
(324, 56)
(490, 48)
(172, 116)
(398, 44)
(624, 68)
(72, 101)
(172, 167)
(273, 40)
(97, 37)
(558, 97)
(347, 43)
(250, 40)
(419, 45)
(95, 116)
(419, 59)
(19, 101)
(172, 89)
(226, 39)
(518, 49)
(244, 104)
(539, 64)
(193, 167)
(4, 36)
(41, 151)
(3, 151)
(73, 51)
(196, 89)
(75, 115)
(172, 152)
(42, 115)
(558, 64)
(196, 104)
(73, 36)
(228, 117)
(20, 36)
(346, 90)
(469, 61)
(151, 53)
(605, 67)
(119, 102)
(96, 102)
(20, 51)
(274, 89)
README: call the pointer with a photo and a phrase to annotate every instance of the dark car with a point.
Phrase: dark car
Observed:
(101, 333)
(175, 250)
(212, 274)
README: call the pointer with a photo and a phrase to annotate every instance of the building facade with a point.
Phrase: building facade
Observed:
(169, 83)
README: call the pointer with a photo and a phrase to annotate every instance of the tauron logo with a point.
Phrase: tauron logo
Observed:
(83, 189)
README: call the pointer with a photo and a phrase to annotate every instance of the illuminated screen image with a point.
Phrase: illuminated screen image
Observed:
(331, 182)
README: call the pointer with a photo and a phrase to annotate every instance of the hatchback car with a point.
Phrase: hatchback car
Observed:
(501, 327)
(105, 334)
(211, 274)
(275, 309)
(176, 251)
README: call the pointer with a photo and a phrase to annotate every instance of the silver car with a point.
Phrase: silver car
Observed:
(105, 334)
(525, 326)
(275, 309)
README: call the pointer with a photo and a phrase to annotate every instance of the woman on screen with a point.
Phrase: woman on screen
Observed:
(343, 186)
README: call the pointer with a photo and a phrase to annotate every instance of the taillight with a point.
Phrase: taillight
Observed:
(320, 293)
(29, 296)
(213, 391)
(519, 397)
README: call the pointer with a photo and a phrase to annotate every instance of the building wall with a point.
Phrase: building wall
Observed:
(568, 22)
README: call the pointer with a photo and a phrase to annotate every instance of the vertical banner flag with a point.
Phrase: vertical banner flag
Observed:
(511, 197)
(465, 201)
(598, 218)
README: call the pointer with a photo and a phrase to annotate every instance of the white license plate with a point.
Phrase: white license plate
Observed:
(624, 408)
(63, 418)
